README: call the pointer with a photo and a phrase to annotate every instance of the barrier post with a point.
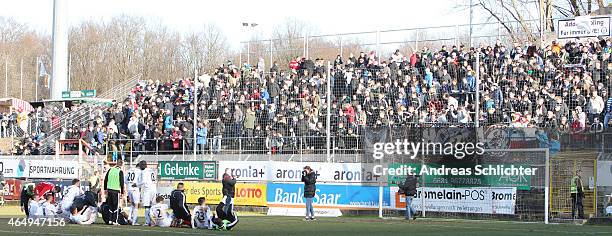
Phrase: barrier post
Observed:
(328, 117)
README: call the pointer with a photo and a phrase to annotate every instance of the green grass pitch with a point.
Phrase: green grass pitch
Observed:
(268, 225)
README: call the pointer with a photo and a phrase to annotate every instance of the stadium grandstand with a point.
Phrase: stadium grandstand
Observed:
(560, 87)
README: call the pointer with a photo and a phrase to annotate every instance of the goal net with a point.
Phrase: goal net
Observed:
(507, 184)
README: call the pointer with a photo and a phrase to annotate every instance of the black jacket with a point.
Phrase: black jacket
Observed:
(178, 202)
(229, 186)
(409, 185)
(309, 184)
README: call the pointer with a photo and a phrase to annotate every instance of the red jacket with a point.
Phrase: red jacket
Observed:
(43, 188)
(176, 137)
(413, 59)
(294, 64)
(350, 114)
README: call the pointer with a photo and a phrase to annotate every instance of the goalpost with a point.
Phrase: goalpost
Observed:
(470, 196)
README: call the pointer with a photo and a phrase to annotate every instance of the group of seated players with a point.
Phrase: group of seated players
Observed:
(82, 207)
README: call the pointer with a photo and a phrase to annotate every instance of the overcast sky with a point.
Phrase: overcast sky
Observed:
(327, 16)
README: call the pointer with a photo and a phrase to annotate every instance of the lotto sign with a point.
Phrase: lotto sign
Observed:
(246, 194)
(584, 26)
(464, 200)
(196, 170)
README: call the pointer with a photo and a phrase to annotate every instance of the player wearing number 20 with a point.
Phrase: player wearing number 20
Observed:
(131, 180)
(148, 189)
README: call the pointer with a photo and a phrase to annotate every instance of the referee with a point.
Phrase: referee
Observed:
(113, 187)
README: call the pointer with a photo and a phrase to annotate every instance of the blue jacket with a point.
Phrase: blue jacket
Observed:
(609, 105)
(471, 81)
(201, 135)
(429, 79)
(168, 122)
(265, 96)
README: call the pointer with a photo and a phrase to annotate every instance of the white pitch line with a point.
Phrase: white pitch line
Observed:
(154, 231)
(519, 230)
(34, 233)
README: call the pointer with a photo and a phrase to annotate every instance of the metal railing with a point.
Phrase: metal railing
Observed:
(121, 90)
(298, 147)
(293, 145)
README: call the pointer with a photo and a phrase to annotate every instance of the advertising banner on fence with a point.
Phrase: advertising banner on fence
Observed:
(196, 170)
(522, 182)
(44, 169)
(53, 169)
(13, 168)
(584, 26)
(247, 194)
(341, 196)
(164, 189)
(463, 200)
(281, 171)
(12, 189)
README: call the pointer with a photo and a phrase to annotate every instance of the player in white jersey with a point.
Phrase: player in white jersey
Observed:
(201, 217)
(132, 178)
(48, 208)
(35, 207)
(148, 188)
(85, 216)
(159, 214)
(73, 191)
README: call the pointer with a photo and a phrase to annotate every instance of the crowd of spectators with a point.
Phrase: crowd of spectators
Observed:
(565, 87)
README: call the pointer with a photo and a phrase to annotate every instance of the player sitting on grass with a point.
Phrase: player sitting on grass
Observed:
(159, 214)
(49, 210)
(71, 193)
(178, 203)
(122, 217)
(85, 216)
(84, 209)
(201, 218)
(224, 221)
(35, 207)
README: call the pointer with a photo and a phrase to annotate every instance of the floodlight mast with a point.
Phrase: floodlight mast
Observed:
(59, 79)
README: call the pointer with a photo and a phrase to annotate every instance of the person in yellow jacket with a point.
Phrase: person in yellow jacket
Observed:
(577, 193)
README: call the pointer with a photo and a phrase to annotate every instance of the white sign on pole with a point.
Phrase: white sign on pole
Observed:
(584, 26)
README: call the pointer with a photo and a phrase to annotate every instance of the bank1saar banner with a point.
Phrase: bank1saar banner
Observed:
(338, 196)
(247, 194)
(484, 200)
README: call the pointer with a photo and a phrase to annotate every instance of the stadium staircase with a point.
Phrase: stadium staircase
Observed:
(85, 114)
